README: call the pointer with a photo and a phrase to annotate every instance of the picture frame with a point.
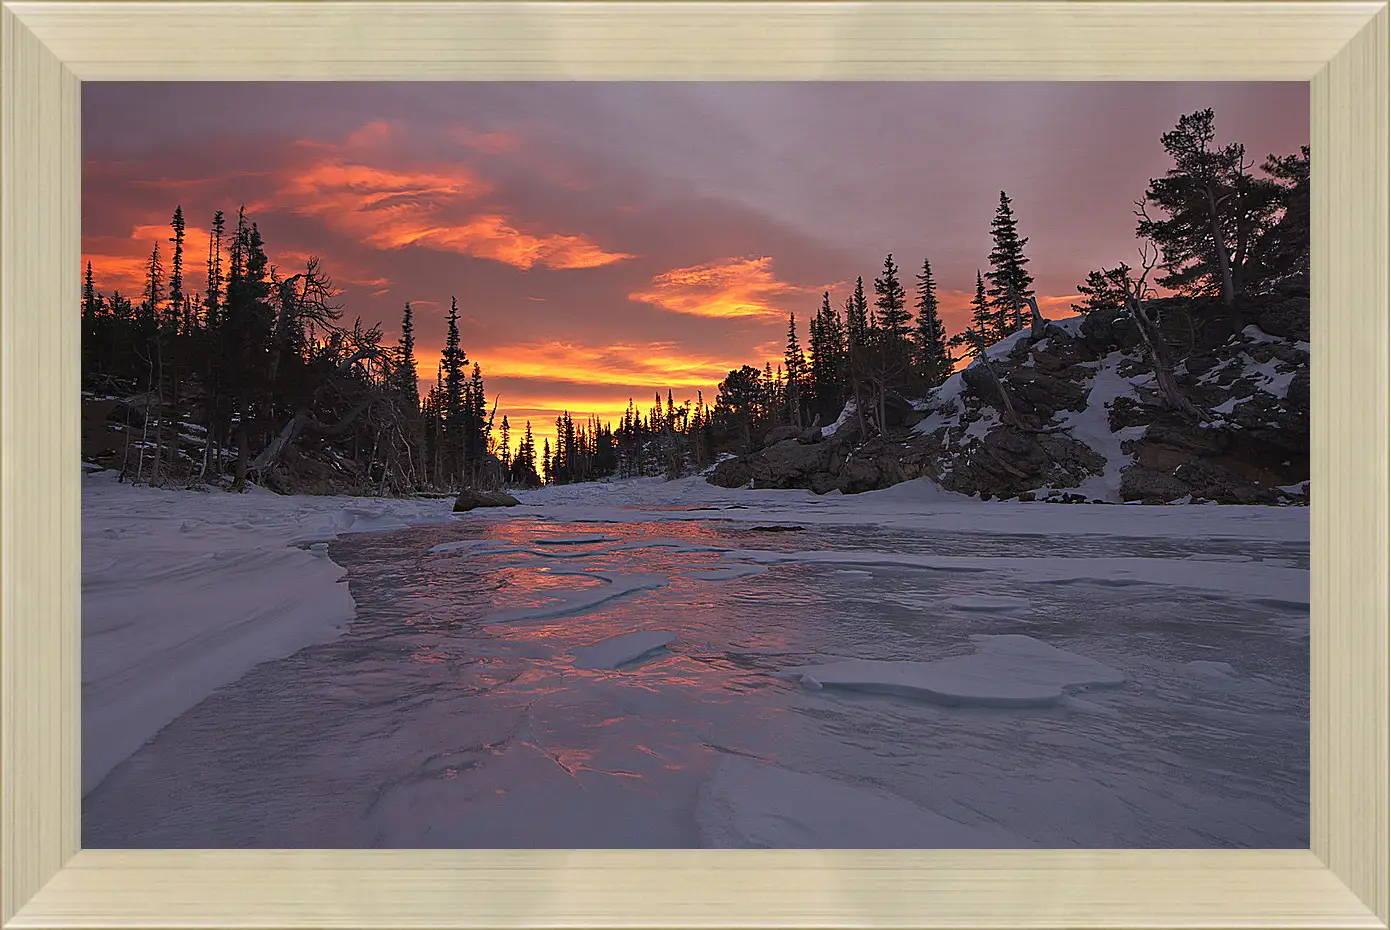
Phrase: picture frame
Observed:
(50, 48)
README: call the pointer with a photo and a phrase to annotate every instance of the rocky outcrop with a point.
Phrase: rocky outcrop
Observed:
(1085, 420)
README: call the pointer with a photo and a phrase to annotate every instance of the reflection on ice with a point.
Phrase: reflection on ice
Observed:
(430, 724)
(623, 649)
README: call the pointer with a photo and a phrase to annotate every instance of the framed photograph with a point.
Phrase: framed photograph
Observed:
(1006, 542)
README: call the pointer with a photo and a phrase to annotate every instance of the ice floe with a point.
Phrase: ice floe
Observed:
(623, 649)
(1004, 671)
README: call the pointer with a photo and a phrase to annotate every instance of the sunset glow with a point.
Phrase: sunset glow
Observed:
(611, 241)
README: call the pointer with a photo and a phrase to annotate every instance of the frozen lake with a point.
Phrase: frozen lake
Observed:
(472, 702)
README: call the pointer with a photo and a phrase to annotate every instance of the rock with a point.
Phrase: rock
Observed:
(979, 383)
(849, 432)
(731, 473)
(469, 500)
(1297, 396)
(1009, 462)
(788, 464)
(1150, 487)
(779, 433)
(1105, 330)
(1288, 317)
(1044, 394)
(810, 435)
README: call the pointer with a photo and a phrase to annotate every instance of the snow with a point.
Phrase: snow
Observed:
(846, 413)
(945, 403)
(1092, 427)
(183, 592)
(1007, 344)
(1004, 671)
(1212, 669)
(920, 506)
(1263, 580)
(753, 804)
(1229, 405)
(624, 649)
(1071, 325)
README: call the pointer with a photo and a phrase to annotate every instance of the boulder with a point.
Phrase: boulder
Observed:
(779, 433)
(1288, 317)
(731, 473)
(810, 435)
(469, 499)
(788, 464)
(1151, 487)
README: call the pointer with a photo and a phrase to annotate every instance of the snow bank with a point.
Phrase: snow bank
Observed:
(624, 649)
(1004, 671)
(183, 592)
(750, 804)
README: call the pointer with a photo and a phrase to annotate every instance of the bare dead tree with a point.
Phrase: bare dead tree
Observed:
(1038, 325)
(1155, 346)
(365, 346)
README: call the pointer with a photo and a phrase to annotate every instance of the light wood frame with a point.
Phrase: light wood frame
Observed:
(51, 47)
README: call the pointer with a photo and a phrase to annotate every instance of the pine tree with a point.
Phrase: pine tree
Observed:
(505, 449)
(91, 332)
(478, 424)
(529, 455)
(176, 270)
(546, 474)
(1007, 270)
(407, 378)
(891, 302)
(453, 361)
(857, 317)
(830, 373)
(1107, 290)
(154, 293)
(1217, 212)
(212, 298)
(983, 319)
(796, 365)
(932, 357)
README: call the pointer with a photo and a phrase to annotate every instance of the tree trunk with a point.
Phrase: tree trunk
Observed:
(1039, 325)
(1224, 260)
(301, 421)
(1159, 360)
(239, 482)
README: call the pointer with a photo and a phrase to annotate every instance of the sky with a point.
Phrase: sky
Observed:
(609, 240)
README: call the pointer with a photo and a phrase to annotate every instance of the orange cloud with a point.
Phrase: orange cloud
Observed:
(392, 209)
(724, 288)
